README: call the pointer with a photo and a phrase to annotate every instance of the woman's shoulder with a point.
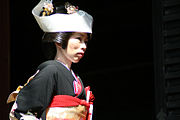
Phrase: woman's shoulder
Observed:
(46, 63)
(50, 64)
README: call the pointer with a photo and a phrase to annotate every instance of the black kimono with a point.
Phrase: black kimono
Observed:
(53, 79)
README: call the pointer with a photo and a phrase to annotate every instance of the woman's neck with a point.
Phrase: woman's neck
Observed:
(63, 59)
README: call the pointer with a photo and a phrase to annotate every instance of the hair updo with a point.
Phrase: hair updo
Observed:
(49, 38)
(48, 43)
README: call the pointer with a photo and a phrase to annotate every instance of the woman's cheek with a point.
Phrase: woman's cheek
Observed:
(74, 46)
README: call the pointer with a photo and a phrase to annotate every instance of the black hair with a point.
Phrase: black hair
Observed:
(48, 42)
(59, 7)
(48, 39)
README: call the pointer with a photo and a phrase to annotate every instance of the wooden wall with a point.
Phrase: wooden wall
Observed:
(4, 58)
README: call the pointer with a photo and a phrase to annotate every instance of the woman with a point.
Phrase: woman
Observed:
(55, 92)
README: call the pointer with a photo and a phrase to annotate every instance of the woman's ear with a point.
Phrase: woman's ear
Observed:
(58, 45)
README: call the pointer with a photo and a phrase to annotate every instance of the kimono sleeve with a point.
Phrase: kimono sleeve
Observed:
(37, 95)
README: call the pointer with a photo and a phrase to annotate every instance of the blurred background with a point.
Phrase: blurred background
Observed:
(118, 64)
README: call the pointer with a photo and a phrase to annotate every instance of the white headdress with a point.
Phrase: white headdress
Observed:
(76, 21)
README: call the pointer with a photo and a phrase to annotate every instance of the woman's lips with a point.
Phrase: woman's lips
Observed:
(80, 54)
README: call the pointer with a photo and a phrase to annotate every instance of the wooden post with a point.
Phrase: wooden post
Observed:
(4, 58)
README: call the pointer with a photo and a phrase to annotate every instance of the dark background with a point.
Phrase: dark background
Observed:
(118, 64)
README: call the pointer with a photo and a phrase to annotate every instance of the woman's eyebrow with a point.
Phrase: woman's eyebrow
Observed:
(80, 35)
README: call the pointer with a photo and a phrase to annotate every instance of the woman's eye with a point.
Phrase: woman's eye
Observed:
(79, 38)
(86, 42)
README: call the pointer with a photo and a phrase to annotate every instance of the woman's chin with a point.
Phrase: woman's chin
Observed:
(76, 60)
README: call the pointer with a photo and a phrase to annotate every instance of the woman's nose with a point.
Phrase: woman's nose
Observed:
(83, 46)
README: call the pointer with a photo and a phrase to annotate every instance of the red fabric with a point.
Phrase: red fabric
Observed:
(91, 97)
(77, 86)
(67, 101)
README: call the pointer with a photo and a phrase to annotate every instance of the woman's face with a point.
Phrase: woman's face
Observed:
(76, 46)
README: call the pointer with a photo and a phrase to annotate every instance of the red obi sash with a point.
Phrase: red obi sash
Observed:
(69, 101)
